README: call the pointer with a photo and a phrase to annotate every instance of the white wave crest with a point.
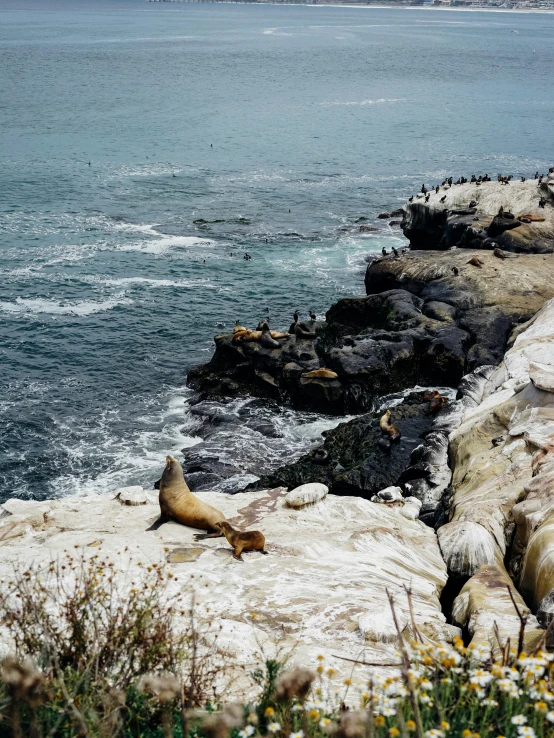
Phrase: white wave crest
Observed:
(166, 243)
(365, 102)
(39, 305)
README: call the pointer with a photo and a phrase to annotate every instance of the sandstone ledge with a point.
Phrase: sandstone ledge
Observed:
(320, 589)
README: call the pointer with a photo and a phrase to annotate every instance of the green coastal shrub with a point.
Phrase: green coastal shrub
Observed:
(90, 659)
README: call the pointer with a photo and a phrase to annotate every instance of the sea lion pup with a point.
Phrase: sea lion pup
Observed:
(250, 540)
(179, 504)
(388, 428)
(321, 374)
(476, 262)
(266, 339)
(436, 401)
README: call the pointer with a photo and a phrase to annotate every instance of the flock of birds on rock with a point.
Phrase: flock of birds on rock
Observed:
(449, 182)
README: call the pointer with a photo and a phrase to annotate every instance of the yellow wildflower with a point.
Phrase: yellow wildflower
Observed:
(466, 733)
(541, 706)
(379, 721)
(269, 712)
(313, 714)
(445, 725)
(410, 725)
(320, 657)
(348, 682)
(394, 732)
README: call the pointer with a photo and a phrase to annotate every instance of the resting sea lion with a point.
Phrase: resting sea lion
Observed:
(436, 401)
(250, 540)
(532, 218)
(388, 428)
(301, 330)
(321, 374)
(476, 262)
(266, 339)
(178, 503)
(238, 328)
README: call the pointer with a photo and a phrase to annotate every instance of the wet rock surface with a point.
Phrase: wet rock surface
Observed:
(357, 458)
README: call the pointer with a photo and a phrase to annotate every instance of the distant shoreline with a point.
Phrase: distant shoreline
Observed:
(367, 6)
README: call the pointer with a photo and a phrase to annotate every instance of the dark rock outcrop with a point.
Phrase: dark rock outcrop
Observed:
(444, 219)
(357, 458)
(420, 323)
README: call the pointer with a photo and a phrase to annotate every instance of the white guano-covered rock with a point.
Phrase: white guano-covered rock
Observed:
(32, 511)
(131, 496)
(321, 588)
(306, 494)
(485, 607)
(493, 451)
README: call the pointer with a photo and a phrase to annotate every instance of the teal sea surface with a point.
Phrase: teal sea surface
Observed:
(145, 147)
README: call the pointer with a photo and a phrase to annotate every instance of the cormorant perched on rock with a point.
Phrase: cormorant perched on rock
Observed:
(536, 175)
(384, 251)
(523, 179)
(427, 196)
(395, 252)
(313, 316)
(542, 202)
(437, 190)
(410, 198)
(424, 189)
(473, 203)
(443, 198)
(296, 316)
(501, 211)
(455, 271)
(540, 179)
(450, 181)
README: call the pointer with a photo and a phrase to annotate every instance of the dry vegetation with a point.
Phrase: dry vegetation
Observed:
(89, 659)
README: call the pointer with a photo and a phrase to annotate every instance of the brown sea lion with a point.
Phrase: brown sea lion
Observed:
(266, 339)
(321, 374)
(249, 540)
(238, 328)
(532, 218)
(301, 330)
(388, 428)
(179, 504)
(476, 262)
(436, 401)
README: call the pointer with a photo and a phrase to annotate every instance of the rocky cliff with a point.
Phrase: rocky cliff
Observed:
(420, 323)
(516, 216)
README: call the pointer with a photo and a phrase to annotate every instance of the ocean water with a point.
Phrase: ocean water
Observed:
(213, 130)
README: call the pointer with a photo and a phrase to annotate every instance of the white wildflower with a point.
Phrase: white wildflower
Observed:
(274, 727)
(519, 720)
